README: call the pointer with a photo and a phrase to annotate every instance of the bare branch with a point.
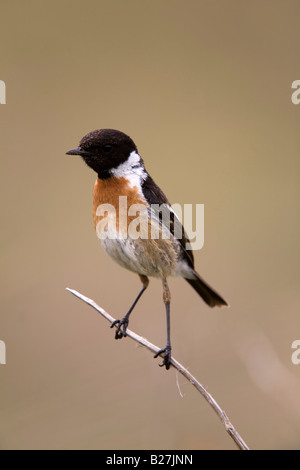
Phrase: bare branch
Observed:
(208, 397)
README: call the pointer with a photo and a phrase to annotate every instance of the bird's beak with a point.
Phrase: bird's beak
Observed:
(76, 151)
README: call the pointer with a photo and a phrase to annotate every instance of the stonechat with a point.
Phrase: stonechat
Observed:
(121, 174)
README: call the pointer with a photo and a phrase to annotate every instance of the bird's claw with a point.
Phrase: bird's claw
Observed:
(166, 356)
(121, 328)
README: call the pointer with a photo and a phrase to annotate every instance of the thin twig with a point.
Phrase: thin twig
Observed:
(208, 397)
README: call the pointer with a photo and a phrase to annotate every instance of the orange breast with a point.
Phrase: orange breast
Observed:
(108, 192)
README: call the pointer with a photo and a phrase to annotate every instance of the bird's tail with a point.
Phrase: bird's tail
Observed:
(206, 292)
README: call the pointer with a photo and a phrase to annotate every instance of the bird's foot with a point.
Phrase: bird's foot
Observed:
(121, 328)
(166, 356)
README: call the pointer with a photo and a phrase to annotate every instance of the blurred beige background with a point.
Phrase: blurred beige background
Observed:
(204, 89)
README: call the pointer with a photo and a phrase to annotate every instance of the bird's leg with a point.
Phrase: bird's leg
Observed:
(166, 352)
(123, 323)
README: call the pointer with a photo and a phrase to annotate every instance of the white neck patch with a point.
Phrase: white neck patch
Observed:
(133, 170)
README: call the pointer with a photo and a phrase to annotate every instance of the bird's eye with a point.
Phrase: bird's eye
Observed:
(107, 147)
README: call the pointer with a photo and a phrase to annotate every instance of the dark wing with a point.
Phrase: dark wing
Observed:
(167, 217)
(155, 196)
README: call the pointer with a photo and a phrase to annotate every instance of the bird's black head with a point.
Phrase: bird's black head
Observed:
(104, 149)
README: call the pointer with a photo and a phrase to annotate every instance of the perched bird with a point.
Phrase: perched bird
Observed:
(121, 176)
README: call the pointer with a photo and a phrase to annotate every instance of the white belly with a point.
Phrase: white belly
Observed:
(154, 258)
